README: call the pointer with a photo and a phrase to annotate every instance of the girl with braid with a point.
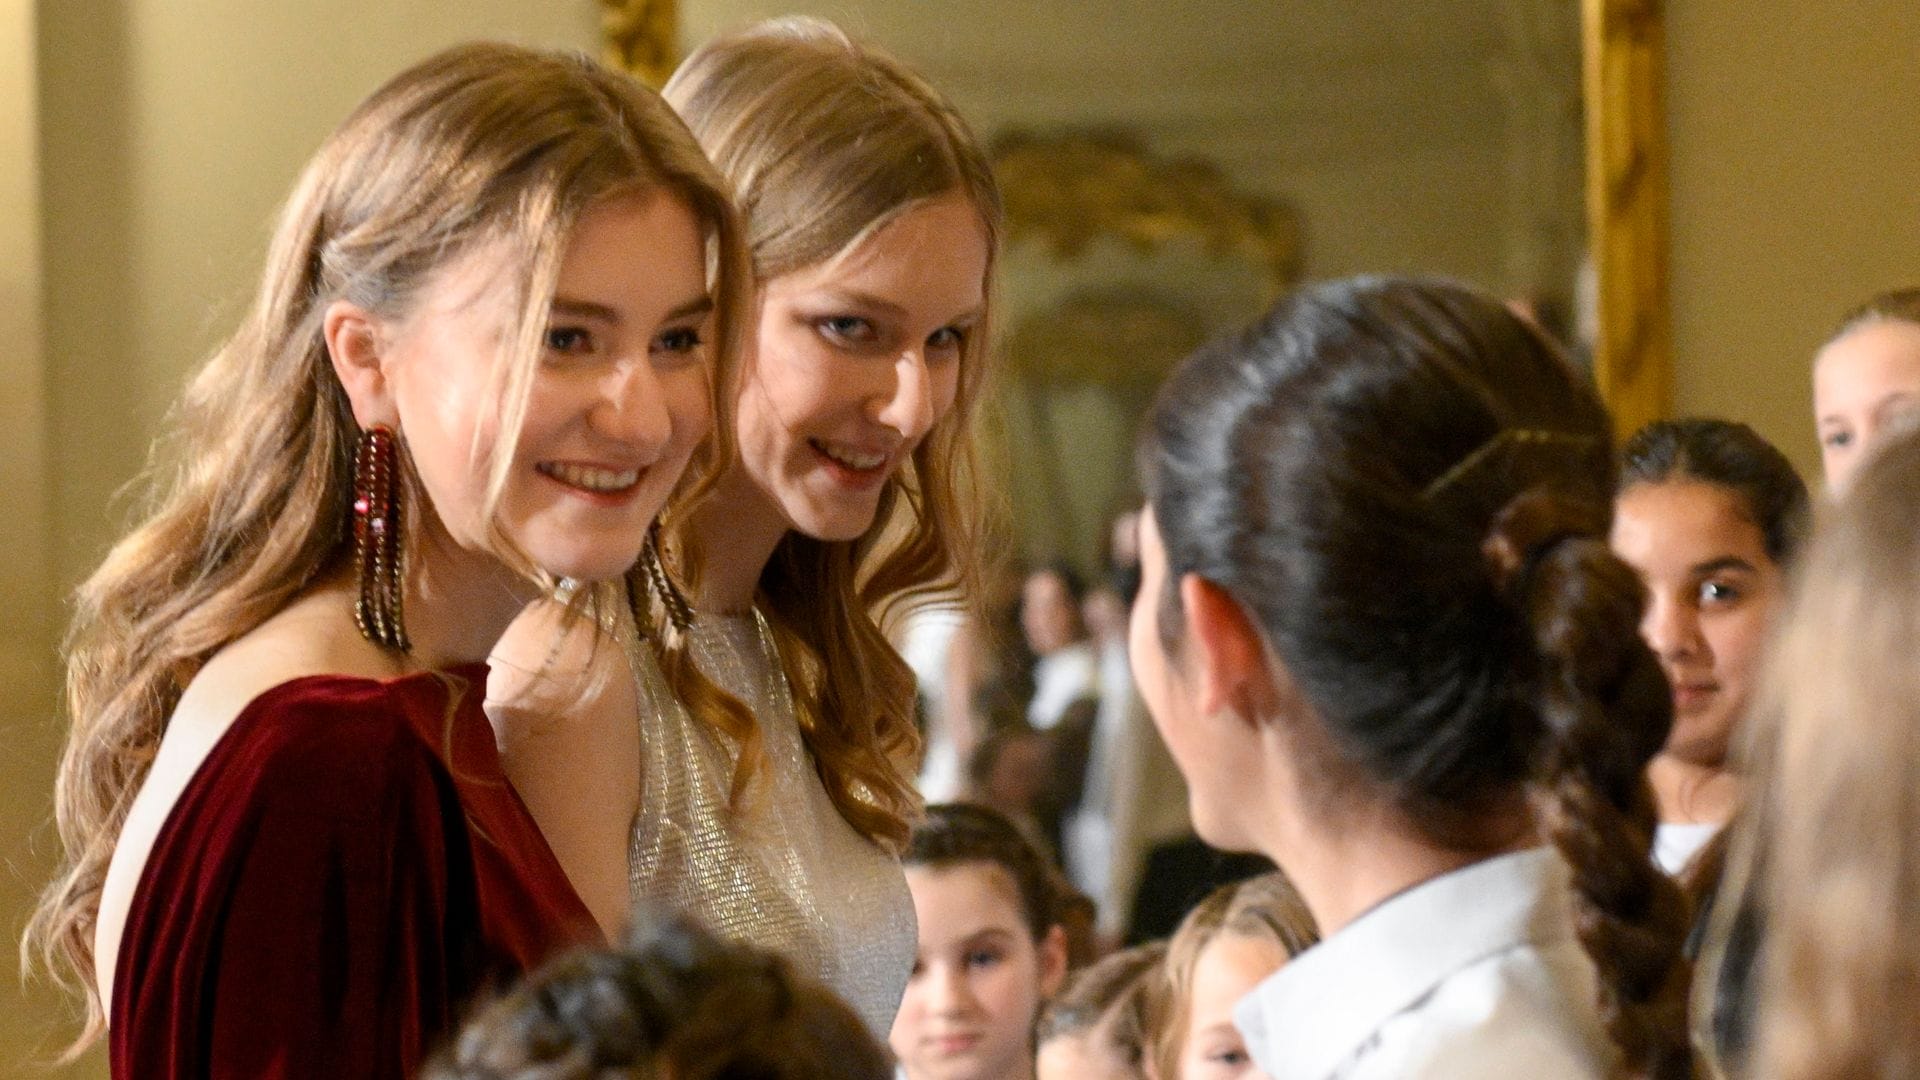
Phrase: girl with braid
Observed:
(1381, 631)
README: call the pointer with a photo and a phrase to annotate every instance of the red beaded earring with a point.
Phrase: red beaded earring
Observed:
(376, 539)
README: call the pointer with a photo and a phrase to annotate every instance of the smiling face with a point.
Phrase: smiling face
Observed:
(978, 977)
(614, 409)
(1863, 382)
(854, 361)
(1227, 969)
(1711, 593)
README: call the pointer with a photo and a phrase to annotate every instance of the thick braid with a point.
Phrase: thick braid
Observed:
(1606, 709)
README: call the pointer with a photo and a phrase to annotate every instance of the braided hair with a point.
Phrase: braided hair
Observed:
(1407, 489)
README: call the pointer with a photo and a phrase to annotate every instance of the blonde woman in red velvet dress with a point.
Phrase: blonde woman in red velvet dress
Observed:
(485, 344)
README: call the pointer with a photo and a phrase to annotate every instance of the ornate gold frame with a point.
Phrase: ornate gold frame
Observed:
(1622, 83)
(1622, 43)
(641, 36)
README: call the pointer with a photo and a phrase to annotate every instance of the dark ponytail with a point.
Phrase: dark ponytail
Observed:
(1408, 490)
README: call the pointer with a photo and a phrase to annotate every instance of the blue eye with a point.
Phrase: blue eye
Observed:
(983, 957)
(846, 329)
(1838, 440)
(948, 337)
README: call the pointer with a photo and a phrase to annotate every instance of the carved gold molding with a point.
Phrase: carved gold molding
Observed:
(1066, 190)
(642, 36)
(1622, 49)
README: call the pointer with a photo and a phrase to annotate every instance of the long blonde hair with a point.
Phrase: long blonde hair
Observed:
(1836, 852)
(480, 147)
(826, 141)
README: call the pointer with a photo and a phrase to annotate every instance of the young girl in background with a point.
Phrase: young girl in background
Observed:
(1096, 1028)
(990, 950)
(1866, 380)
(1240, 934)
(1709, 515)
(1386, 642)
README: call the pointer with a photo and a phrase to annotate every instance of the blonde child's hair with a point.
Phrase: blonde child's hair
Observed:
(1263, 907)
(1831, 849)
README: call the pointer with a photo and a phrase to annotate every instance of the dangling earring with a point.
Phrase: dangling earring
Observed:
(679, 612)
(376, 539)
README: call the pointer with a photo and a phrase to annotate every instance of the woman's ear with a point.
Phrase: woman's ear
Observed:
(1229, 655)
(357, 348)
(1053, 961)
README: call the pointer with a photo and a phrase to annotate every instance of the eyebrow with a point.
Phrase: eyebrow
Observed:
(1724, 562)
(989, 933)
(588, 309)
(879, 303)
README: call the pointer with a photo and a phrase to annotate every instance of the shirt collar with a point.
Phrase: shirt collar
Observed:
(1313, 1014)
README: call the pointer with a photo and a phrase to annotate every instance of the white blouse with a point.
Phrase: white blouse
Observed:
(1676, 843)
(1475, 973)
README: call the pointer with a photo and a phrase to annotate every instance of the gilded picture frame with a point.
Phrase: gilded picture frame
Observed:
(1622, 49)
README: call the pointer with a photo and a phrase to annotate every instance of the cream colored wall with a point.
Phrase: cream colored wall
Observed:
(139, 175)
(1795, 153)
(27, 668)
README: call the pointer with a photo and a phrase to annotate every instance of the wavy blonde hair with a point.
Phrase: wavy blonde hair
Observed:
(481, 147)
(826, 141)
(1266, 906)
(1834, 852)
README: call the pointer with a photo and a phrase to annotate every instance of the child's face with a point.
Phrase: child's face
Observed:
(978, 979)
(1712, 590)
(1865, 383)
(1227, 969)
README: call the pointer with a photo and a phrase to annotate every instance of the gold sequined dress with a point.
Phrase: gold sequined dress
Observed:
(784, 870)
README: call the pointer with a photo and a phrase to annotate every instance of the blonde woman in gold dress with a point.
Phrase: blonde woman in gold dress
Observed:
(754, 746)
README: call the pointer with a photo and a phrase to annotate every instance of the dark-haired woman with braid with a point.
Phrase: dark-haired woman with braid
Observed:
(1384, 638)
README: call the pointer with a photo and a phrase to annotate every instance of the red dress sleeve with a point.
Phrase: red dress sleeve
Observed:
(346, 869)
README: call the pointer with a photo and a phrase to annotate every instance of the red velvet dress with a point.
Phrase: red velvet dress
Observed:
(343, 874)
